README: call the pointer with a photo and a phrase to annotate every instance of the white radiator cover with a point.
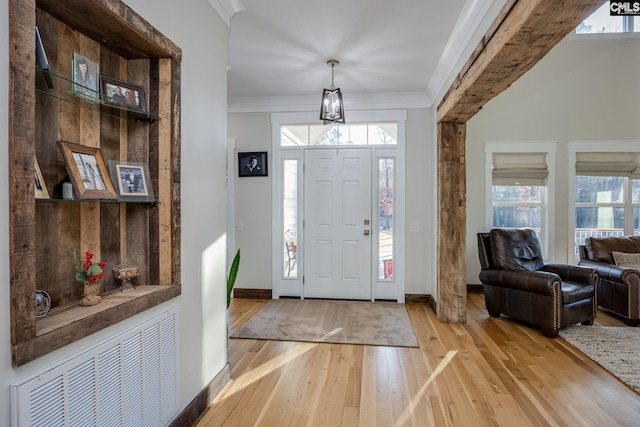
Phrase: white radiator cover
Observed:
(128, 380)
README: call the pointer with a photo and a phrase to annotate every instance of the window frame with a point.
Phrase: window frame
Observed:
(339, 127)
(547, 227)
(628, 25)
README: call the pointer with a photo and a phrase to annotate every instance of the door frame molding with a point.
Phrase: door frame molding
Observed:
(381, 289)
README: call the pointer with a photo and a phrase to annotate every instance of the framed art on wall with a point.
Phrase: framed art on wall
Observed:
(253, 164)
(87, 171)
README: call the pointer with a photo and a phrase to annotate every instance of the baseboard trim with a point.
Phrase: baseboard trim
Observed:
(434, 305)
(410, 298)
(417, 298)
(198, 406)
(475, 289)
(253, 293)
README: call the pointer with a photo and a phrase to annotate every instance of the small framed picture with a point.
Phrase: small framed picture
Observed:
(41, 56)
(85, 76)
(123, 93)
(253, 164)
(42, 61)
(132, 181)
(39, 185)
(87, 171)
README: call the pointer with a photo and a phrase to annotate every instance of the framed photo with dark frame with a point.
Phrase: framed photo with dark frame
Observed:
(39, 185)
(123, 93)
(87, 171)
(132, 181)
(253, 164)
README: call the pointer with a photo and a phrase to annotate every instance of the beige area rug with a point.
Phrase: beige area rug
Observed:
(342, 322)
(615, 348)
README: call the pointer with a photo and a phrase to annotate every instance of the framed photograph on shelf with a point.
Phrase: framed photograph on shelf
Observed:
(132, 181)
(123, 93)
(42, 61)
(253, 164)
(85, 76)
(39, 185)
(87, 171)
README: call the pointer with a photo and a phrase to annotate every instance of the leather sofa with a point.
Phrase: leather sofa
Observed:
(618, 288)
(519, 284)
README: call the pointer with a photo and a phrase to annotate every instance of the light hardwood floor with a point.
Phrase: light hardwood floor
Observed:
(486, 372)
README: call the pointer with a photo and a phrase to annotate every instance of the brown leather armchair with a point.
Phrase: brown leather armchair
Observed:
(519, 284)
(619, 286)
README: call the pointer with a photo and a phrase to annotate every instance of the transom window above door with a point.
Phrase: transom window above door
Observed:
(382, 133)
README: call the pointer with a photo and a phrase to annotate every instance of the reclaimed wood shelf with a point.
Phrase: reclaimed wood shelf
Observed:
(63, 89)
(74, 322)
(63, 316)
(44, 108)
(136, 202)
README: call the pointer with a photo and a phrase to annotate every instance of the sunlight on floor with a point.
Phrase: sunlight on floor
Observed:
(263, 370)
(416, 398)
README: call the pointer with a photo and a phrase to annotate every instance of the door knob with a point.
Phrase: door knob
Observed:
(366, 232)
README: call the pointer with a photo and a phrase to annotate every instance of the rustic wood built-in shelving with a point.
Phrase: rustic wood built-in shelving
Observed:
(44, 233)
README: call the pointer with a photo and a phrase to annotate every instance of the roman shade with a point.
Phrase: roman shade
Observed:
(519, 169)
(608, 164)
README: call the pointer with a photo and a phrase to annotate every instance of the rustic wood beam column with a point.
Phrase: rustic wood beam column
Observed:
(523, 32)
(452, 189)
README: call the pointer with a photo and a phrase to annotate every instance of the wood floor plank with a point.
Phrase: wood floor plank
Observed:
(486, 372)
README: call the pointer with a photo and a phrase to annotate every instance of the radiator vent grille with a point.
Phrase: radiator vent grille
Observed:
(129, 380)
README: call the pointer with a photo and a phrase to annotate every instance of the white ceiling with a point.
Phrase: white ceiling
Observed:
(402, 48)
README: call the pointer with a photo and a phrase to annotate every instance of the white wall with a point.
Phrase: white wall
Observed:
(584, 89)
(421, 163)
(252, 132)
(202, 35)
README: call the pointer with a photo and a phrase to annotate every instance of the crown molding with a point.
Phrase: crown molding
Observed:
(369, 101)
(227, 8)
(465, 32)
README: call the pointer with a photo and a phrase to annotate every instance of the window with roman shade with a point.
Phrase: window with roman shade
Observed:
(519, 169)
(520, 180)
(607, 195)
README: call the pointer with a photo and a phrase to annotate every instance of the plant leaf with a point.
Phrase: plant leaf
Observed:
(94, 270)
(233, 273)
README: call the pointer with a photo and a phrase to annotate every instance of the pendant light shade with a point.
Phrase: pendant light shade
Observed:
(332, 108)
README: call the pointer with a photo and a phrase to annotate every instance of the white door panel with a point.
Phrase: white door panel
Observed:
(337, 223)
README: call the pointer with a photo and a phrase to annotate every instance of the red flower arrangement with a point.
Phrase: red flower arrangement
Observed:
(88, 272)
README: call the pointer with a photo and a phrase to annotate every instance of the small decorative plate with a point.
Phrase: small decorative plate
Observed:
(43, 303)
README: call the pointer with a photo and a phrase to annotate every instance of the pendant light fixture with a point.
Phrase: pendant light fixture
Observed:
(332, 108)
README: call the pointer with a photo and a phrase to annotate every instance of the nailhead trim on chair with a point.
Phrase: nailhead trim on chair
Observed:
(596, 280)
(556, 305)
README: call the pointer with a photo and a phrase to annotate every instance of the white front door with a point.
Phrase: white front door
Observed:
(337, 214)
